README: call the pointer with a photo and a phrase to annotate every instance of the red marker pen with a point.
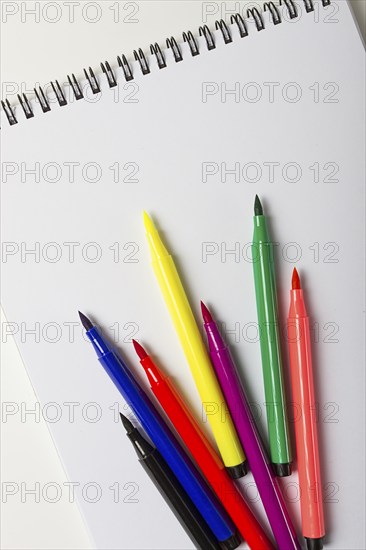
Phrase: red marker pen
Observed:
(203, 453)
(299, 342)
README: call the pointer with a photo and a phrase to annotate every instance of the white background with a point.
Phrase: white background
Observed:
(35, 53)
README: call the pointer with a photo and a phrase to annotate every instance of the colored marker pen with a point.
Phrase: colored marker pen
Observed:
(266, 297)
(159, 433)
(195, 352)
(203, 453)
(264, 477)
(170, 489)
(303, 395)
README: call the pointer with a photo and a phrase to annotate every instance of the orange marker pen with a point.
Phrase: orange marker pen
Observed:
(311, 497)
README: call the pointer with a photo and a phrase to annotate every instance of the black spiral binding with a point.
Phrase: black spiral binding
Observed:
(155, 50)
(291, 8)
(309, 6)
(224, 30)
(9, 112)
(59, 93)
(93, 82)
(210, 42)
(25, 106)
(106, 68)
(74, 84)
(122, 62)
(188, 37)
(239, 21)
(276, 17)
(173, 45)
(42, 100)
(258, 19)
(140, 57)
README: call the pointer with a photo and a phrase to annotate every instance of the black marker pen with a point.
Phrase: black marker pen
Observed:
(172, 491)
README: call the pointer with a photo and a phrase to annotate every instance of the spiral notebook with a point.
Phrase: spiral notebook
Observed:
(271, 102)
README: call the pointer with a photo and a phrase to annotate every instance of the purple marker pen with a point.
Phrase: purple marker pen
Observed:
(233, 391)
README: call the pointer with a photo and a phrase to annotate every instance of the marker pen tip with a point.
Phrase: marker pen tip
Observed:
(126, 423)
(139, 350)
(207, 317)
(258, 208)
(148, 223)
(87, 324)
(296, 284)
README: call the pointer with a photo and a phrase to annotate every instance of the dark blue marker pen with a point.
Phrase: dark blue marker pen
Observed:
(154, 425)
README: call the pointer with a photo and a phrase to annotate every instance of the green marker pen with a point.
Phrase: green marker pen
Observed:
(269, 330)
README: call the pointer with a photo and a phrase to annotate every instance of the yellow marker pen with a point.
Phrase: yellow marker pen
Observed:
(196, 354)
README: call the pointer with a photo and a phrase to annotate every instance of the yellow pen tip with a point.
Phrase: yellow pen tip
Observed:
(148, 223)
(156, 245)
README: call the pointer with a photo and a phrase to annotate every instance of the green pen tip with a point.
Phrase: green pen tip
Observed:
(258, 209)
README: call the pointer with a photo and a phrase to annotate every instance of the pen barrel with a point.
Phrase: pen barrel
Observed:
(269, 331)
(213, 401)
(179, 502)
(156, 428)
(265, 480)
(210, 464)
(305, 422)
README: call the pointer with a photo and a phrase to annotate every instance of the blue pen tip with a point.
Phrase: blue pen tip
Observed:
(87, 324)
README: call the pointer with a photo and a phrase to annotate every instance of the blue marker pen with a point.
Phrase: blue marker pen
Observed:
(193, 482)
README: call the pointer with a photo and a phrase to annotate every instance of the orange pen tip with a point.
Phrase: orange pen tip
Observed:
(139, 350)
(296, 283)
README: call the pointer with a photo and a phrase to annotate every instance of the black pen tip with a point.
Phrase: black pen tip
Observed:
(258, 208)
(127, 424)
(87, 324)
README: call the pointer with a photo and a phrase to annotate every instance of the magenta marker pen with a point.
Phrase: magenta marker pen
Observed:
(233, 391)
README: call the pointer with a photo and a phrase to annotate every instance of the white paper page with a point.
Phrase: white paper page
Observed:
(168, 141)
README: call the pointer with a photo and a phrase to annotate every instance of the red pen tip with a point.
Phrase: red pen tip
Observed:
(139, 350)
(207, 317)
(296, 284)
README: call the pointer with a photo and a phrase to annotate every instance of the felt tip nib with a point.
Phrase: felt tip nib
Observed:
(296, 284)
(126, 423)
(157, 247)
(207, 317)
(258, 209)
(148, 223)
(87, 324)
(139, 350)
